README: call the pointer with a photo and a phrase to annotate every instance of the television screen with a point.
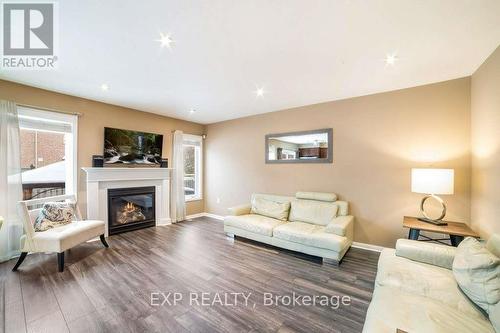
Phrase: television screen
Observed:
(123, 147)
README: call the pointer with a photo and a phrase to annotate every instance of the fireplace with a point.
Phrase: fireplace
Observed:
(130, 209)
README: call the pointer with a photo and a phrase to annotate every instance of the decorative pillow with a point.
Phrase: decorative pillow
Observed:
(269, 208)
(477, 272)
(310, 211)
(53, 215)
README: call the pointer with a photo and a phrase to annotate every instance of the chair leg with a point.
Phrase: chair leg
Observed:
(60, 261)
(20, 261)
(103, 240)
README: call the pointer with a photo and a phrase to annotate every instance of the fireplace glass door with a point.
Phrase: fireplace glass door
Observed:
(131, 208)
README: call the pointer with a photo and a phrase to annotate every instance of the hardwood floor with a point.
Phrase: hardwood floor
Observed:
(109, 290)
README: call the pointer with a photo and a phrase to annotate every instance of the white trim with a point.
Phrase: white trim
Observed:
(58, 120)
(74, 140)
(369, 247)
(189, 198)
(357, 245)
(164, 222)
(214, 216)
(192, 137)
(205, 214)
(190, 217)
(192, 198)
(115, 174)
(99, 180)
(43, 125)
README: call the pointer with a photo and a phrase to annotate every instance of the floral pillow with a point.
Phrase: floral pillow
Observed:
(53, 215)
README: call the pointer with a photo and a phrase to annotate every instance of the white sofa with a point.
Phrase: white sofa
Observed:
(416, 291)
(313, 223)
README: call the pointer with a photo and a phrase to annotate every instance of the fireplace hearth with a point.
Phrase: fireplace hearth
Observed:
(130, 209)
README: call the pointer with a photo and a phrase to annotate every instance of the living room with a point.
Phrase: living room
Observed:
(250, 166)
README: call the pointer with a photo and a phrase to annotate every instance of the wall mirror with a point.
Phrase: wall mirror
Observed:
(314, 146)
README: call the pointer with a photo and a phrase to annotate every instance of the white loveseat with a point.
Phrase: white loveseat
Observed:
(416, 291)
(313, 223)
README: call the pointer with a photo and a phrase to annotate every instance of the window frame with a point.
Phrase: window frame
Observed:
(71, 186)
(289, 152)
(186, 138)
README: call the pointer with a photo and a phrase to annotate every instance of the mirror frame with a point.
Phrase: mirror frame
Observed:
(329, 159)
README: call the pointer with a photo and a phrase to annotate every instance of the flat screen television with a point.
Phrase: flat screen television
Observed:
(129, 148)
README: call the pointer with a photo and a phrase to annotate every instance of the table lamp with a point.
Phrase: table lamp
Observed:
(432, 182)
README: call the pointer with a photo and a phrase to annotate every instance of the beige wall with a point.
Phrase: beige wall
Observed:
(485, 116)
(377, 140)
(95, 117)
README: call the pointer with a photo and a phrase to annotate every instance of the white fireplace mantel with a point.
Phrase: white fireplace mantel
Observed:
(99, 180)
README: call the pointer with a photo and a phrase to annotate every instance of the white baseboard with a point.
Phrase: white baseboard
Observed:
(364, 246)
(369, 247)
(189, 217)
(214, 216)
(164, 221)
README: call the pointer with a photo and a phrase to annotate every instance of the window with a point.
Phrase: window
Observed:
(287, 154)
(272, 152)
(193, 156)
(48, 153)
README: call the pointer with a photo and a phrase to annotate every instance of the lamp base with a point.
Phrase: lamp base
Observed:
(435, 222)
(426, 218)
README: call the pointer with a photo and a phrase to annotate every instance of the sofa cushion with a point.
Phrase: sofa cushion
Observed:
(272, 197)
(258, 224)
(310, 235)
(428, 253)
(310, 211)
(270, 208)
(477, 272)
(343, 208)
(67, 236)
(320, 196)
(422, 279)
(342, 226)
(392, 309)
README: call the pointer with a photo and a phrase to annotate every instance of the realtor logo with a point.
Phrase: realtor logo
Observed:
(28, 37)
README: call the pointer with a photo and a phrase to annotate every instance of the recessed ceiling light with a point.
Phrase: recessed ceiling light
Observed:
(259, 92)
(192, 111)
(391, 58)
(104, 87)
(165, 40)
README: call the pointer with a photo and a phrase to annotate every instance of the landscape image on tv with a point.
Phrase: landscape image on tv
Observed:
(124, 147)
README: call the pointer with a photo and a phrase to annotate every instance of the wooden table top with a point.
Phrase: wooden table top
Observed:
(453, 228)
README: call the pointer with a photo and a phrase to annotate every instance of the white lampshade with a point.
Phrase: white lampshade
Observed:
(432, 181)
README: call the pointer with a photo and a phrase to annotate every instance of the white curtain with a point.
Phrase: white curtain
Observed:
(178, 202)
(10, 181)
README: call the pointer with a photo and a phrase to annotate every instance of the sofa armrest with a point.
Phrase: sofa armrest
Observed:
(341, 226)
(239, 210)
(427, 253)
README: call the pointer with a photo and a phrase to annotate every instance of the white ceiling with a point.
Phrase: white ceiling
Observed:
(304, 139)
(301, 51)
